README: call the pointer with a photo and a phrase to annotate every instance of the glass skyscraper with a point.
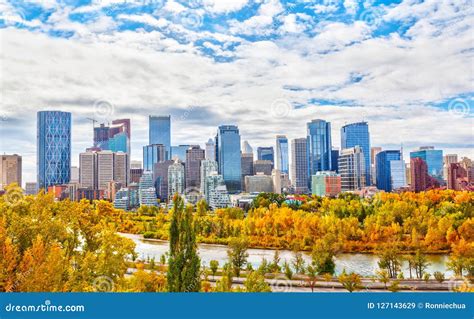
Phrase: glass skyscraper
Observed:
(53, 148)
(160, 132)
(266, 154)
(433, 159)
(152, 154)
(228, 156)
(282, 154)
(319, 147)
(390, 170)
(357, 134)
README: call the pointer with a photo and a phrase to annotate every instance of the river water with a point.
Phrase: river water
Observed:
(363, 264)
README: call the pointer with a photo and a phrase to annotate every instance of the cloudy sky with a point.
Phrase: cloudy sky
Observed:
(268, 66)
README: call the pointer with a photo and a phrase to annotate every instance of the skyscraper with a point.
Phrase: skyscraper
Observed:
(211, 150)
(176, 179)
(247, 165)
(433, 159)
(390, 170)
(87, 170)
(357, 134)
(229, 156)
(216, 191)
(160, 176)
(246, 148)
(299, 165)
(419, 174)
(352, 169)
(121, 168)
(179, 152)
(115, 138)
(10, 170)
(207, 167)
(266, 154)
(334, 160)
(282, 154)
(194, 156)
(373, 163)
(105, 168)
(53, 148)
(152, 154)
(146, 190)
(319, 147)
(160, 132)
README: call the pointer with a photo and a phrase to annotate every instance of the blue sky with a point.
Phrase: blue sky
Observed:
(269, 66)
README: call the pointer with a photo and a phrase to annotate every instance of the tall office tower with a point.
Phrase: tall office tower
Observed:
(373, 163)
(357, 134)
(105, 168)
(216, 191)
(194, 156)
(319, 147)
(152, 154)
(121, 170)
(53, 148)
(299, 165)
(229, 157)
(262, 166)
(246, 165)
(419, 174)
(334, 160)
(74, 174)
(160, 132)
(31, 188)
(433, 159)
(352, 169)
(207, 167)
(211, 150)
(160, 176)
(448, 159)
(101, 137)
(146, 190)
(179, 152)
(246, 148)
(282, 154)
(10, 168)
(176, 179)
(326, 183)
(390, 170)
(266, 154)
(88, 170)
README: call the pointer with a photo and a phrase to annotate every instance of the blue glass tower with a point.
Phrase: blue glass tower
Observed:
(319, 147)
(119, 143)
(357, 134)
(384, 162)
(334, 160)
(53, 148)
(282, 154)
(266, 154)
(433, 159)
(160, 132)
(153, 154)
(228, 155)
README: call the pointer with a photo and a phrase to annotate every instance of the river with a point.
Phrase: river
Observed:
(363, 264)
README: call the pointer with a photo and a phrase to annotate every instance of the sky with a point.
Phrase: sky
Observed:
(269, 66)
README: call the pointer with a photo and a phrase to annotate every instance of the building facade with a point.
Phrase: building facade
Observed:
(319, 147)
(152, 154)
(282, 155)
(266, 154)
(262, 166)
(10, 170)
(229, 156)
(390, 170)
(160, 132)
(352, 169)
(357, 134)
(176, 179)
(433, 159)
(146, 190)
(326, 183)
(211, 150)
(194, 156)
(259, 183)
(299, 165)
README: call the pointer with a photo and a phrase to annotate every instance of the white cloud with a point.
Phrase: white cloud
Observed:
(220, 6)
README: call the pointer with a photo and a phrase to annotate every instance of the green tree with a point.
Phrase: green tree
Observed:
(389, 259)
(237, 253)
(420, 263)
(288, 270)
(298, 262)
(184, 263)
(312, 276)
(323, 255)
(383, 276)
(255, 282)
(214, 265)
(439, 276)
(351, 282)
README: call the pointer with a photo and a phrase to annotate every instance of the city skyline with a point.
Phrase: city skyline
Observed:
(266, 66)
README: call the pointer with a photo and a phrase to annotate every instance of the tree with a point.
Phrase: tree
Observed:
(323, 256)
(275, 265)
(288, 270)
(383, 276)
(184, 263)
(420, 263)
(312, 276)
(255, 282)
(351, 282)
(225, 283)
(389, 259)
(237, 254)
(394, 286)
(439, 276)
(214, 265)
(298, 262)
(461, 260)
(426, 277)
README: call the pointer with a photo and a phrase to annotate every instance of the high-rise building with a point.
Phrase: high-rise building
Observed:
(352, 169)
(229, 156)
(433, 159)
(211, 150)
(390, 170)
(87, 170)
(97, 169)
(266, 154)
(282, 158)
(216, 191)
(448, 159)
(121, 169)
(179, 152)
(115, 137)
(160, 176)
(153, 153)
(246, 165)
(194, 156)
(262, 166)
(373, 163)
(326, 183)
(259, 183)
(207, 167)
(74, 174)
(176, 179)
(246, 148)
(299, 165)
(419, 174)
(53, 148)
(319, 147)
(105, 168)
(160, 132)
(357, 134)
(334, 160)
(457, 177)
(146, 190)
(10, 170)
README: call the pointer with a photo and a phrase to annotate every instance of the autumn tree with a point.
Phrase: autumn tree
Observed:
(351, 282)
(255, 282)
(237, 253)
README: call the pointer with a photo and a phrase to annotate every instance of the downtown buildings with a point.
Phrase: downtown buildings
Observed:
(10, 170)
